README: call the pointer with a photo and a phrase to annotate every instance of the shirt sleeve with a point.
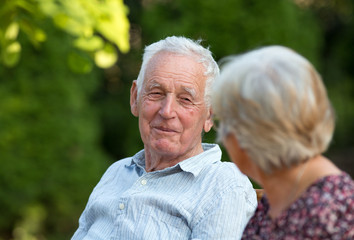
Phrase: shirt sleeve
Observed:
(82, 230)
(86, 217)
(228, 215)
(79, 234)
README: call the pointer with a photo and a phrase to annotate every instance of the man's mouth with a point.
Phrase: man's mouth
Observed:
(164, 129)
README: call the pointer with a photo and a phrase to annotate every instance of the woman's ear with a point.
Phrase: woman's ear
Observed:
(134, 99)
(208, 122)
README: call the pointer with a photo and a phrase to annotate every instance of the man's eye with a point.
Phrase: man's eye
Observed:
(155, 94)
(186, 100)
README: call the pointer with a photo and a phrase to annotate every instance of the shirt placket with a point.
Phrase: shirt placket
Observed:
(139, 186)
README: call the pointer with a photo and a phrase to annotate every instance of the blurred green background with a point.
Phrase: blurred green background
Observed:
(64, 108)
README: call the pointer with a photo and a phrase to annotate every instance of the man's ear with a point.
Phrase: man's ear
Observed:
(134, 99)
(209, 121)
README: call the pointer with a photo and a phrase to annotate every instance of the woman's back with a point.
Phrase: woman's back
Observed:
(324, 211)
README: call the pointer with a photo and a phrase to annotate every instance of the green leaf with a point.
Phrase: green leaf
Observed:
(34, 33)
(39, 35)
(114, 24)
(12, 30)
(79, 63)
(12, 54)
(89, 44)
(48, 7)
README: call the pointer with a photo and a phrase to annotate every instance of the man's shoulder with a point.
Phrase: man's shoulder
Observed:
(226, 169)
(114, 170)
(116, 166)
(228, 179)
(119, 163)
(226, 172)
(123, 161)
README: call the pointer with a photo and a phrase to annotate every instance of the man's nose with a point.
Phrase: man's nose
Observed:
(168, 106)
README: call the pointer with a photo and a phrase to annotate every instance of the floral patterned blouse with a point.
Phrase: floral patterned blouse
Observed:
(324, 211)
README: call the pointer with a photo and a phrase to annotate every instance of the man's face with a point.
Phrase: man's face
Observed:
(171, 106)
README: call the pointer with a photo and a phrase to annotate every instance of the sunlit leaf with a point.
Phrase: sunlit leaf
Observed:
(89, 44)
(91, 22)
(79, 63)
(39, 35)
(73, 18)
(12, 53)
(61, 20)
(48, 7)
(106, 57)
(13, 47)
(116, 26)
(12, 30)
(72, 26)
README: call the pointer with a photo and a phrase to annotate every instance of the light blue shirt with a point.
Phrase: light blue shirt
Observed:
(198, 198)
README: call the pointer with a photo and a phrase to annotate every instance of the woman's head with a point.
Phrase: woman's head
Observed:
(274, 102)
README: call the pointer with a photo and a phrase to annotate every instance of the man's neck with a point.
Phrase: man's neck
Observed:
(157, 161)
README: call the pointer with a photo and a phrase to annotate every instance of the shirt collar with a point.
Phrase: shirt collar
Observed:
(194, 165)
(139, 159)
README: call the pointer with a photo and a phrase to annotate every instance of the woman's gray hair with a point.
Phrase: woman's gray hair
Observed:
(275, 103)
(186, 47)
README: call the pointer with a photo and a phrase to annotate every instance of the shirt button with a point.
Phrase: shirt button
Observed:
(121, 206)
(143, 182)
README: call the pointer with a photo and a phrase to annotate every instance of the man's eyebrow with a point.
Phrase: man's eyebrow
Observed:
(154, 85)
(191, 91)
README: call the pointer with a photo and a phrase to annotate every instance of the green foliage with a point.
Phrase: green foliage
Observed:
(342, 95)
(121, 137)
(30, 227)
(339, 76)
(336, 19)
(97, 26)
(231, 27)
(49, 152)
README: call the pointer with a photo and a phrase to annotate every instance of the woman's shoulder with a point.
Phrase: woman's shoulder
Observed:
(327, 195)
(329, 204)
(332, 189)
(326, 209)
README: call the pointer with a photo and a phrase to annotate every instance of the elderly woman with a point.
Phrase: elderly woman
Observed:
(275, 121)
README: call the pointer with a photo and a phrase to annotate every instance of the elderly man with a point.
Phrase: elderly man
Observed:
(176, 187)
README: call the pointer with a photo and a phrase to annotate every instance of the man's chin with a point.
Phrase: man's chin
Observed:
(164, 148)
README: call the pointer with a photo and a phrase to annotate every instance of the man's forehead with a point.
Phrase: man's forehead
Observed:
(161, 57)
(185, 71)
